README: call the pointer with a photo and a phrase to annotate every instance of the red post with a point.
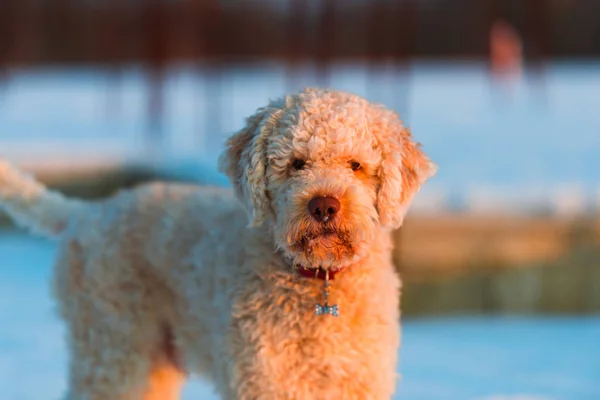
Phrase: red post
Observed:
(325, 48)
(295, 44)
(155, 46)
(215, 49)
(405, 35)
(107, 41)
(536, 30)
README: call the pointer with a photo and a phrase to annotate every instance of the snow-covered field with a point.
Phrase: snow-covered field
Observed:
(532, 142)
(451, 358)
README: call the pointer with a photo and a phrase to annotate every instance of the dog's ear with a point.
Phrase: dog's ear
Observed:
(404, 168)
(244, 162)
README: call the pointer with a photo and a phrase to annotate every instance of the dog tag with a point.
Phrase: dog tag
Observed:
(323, 309)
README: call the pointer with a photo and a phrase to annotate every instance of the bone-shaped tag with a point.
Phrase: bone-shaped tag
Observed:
(327, 309)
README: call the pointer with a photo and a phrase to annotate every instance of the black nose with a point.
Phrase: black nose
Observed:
(323, 208)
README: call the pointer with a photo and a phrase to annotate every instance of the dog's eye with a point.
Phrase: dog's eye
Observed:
(355, 165)
(298, 164)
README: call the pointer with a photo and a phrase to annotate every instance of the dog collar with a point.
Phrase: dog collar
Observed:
(317, 273)
(324, 275)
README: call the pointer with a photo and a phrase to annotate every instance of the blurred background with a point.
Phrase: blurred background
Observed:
(500, 254)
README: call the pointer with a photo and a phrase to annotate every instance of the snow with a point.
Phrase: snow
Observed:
(532, 141)
(465, 357)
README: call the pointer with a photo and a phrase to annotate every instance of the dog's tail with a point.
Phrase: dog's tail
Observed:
(32, 205)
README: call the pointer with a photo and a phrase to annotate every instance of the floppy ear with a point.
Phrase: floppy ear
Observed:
(404, 168)
(244, 163)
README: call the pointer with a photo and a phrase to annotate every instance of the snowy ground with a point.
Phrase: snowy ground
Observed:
(535, 140)
(455, 359)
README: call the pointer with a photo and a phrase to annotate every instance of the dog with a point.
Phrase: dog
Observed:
(282, 288)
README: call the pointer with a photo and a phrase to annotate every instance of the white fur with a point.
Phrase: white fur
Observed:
(166, 279)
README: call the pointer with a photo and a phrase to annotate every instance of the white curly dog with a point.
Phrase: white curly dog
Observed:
(292, 296)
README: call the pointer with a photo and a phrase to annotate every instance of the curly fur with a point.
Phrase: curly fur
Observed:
(166, 279)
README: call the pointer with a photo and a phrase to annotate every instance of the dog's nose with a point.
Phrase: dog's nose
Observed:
(323, 208)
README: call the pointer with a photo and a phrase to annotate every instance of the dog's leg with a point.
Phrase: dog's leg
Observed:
(165, 382)
(112, 366)
(105, 374)
(107, 364)
(166, 375)
(114, 338)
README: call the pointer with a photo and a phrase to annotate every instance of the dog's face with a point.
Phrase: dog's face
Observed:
(325, 169)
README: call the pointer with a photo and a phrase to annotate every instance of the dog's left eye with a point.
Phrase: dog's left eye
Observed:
(355, 165)
(298, 164)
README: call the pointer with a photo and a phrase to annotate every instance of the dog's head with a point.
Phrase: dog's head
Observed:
(325, 169)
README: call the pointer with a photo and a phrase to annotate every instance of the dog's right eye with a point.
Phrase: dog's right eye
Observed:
(298, 164)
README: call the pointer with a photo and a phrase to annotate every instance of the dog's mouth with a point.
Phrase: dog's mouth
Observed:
(339, 241)
(324, 246)
(328, 236)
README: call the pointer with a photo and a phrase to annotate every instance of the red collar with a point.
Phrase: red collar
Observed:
(317, 273)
